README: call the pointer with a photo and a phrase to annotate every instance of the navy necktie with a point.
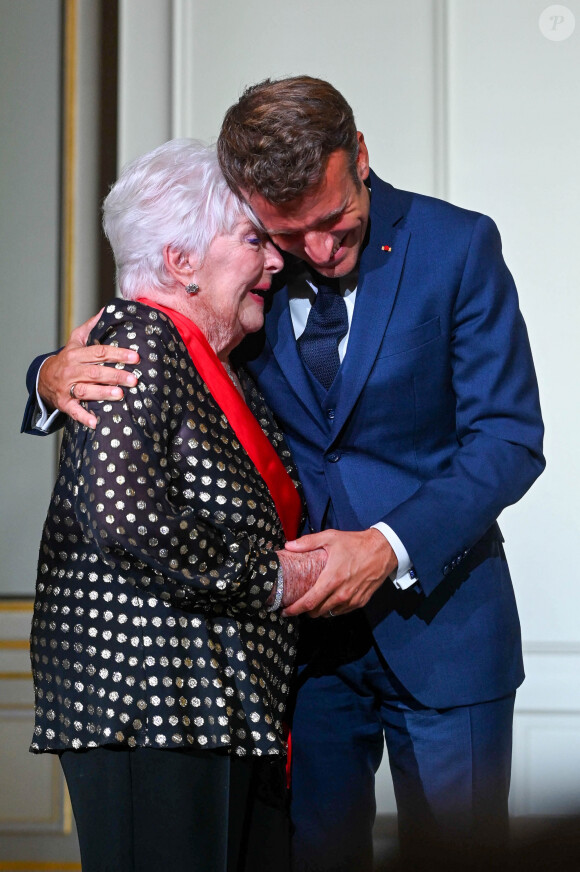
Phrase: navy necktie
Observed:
(327, 324)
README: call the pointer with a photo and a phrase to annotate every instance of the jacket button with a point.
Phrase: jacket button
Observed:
(332, 458)
(330, 413)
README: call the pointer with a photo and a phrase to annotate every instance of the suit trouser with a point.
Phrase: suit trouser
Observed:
(451, 768)
(149, 810)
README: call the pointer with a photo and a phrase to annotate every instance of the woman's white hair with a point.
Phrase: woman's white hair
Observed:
(173, 196)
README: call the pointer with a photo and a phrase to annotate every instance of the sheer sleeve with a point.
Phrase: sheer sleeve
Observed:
(185, 545)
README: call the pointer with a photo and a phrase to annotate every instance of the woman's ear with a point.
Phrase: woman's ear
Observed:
(179, 265)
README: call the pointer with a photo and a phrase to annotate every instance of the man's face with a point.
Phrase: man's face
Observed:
(326, 226)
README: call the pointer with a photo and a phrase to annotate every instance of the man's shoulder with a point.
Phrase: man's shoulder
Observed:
(131, 317)
(413, 207)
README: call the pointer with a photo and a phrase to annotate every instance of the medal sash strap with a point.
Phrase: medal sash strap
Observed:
(243, 422)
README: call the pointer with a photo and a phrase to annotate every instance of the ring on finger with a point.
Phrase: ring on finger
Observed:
(72, 391)
(331, 614)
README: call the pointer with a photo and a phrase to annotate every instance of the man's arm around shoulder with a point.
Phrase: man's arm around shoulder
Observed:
(63, 380)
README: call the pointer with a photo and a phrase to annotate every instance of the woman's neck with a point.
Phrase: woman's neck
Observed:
(217, 334)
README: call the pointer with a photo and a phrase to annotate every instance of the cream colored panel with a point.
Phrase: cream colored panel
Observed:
(32, 796)
(145, 56)
(380, 54)
(29, 253)
(514, 129)
(36, 826)
(15, 674)
(546, 757)
(15, 618)
(15, 661)
(552, 679)
(546, 764)
(16, 691)
(35, 800)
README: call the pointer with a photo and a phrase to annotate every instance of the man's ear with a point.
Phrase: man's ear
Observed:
(179, 265)
(362, 158)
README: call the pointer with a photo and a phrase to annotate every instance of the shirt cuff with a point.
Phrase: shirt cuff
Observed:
(41, 418)
(404, 577)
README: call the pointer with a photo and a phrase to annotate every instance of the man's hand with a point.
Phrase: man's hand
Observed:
(357, 564)
(78, 364)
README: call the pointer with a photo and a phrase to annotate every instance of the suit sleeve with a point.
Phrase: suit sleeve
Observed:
(28, 421)
(498, 421)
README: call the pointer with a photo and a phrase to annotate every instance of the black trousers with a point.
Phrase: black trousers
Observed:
(149, 810)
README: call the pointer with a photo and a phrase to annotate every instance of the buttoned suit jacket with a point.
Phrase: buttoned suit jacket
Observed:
(432, 425)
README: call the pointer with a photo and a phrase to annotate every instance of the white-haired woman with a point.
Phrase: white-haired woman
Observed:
(160, 653)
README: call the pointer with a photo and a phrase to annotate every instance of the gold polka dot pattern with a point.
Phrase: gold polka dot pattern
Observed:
(155, 564)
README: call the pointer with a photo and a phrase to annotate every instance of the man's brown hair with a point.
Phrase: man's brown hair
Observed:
(276, 140)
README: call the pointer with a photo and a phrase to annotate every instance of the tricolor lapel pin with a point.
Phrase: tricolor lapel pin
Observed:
(385, 248)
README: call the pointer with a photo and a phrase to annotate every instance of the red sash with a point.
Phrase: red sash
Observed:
(244, 424)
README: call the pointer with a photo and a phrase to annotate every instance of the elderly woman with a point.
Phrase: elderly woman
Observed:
(160, 651)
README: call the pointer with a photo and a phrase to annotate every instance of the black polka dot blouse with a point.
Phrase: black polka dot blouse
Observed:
(156, 561)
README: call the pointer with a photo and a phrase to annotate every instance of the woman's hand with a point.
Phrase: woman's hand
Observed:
(300, 573)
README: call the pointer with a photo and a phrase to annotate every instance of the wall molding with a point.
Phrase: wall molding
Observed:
(16, 605)
(145, 77)
(182, 69)
(69, 198)
(59, 819)
(551, 685)
(42, 866)
(440, 13)
(548, 648)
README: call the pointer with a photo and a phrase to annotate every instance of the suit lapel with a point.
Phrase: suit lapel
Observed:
(378, 282)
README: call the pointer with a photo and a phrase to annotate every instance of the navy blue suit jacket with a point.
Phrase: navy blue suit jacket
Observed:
(432, 425)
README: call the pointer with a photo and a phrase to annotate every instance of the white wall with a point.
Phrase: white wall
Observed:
(514, 135)
(47, 277)
(513, 138)
(29, 254)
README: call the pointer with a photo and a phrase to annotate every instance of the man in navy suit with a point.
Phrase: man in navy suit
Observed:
(409, 446)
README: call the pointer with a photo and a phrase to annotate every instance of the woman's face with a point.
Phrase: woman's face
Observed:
(233, 278)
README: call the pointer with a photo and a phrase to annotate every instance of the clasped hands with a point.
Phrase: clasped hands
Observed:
(352, 566)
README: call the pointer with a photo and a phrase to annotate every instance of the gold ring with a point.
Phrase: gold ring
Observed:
(72, 391)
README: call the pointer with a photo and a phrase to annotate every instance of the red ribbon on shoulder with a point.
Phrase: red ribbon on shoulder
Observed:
(243, 423)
